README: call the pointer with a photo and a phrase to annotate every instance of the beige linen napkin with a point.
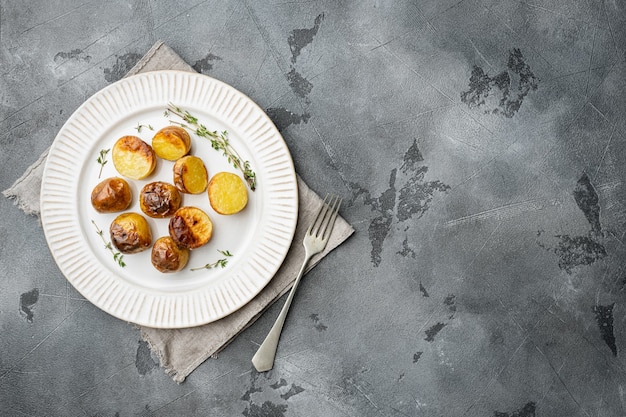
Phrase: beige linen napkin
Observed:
(180, 351)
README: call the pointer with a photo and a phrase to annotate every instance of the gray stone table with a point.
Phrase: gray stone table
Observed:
(479, 147)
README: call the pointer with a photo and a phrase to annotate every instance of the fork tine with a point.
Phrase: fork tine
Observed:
(321, 212)
(324, 221)
(319, 232)
(331, 220)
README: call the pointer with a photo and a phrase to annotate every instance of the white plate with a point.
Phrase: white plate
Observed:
(258, 237)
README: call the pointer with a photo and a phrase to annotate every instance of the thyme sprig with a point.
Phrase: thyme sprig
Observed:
(102, 160)
(220, 262)
(117, 256)
(140, 126)
(219, 141)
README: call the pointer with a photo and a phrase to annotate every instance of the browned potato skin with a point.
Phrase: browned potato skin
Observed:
(111, 195)
(171, 143)
(187, 179)
(190, 227)
(167, 256)
(159, 199)
(130, 233)
(133, 158)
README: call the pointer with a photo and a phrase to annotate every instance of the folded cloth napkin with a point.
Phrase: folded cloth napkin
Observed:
(180, 351)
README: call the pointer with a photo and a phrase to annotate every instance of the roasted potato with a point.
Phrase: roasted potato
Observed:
(167, 256)
(159, 199)
(133, 158)
(111, 195)
(227, 193)
(190, 227)
(171, 143)
(190, 175)
(130, 233)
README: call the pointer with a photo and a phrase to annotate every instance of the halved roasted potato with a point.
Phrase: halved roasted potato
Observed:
(159, 199)
(167, 256)
(111, 195)
(227, 193)
(133, 158)
(190, 227)
(171, 143)
(130, 233)
(190, 175)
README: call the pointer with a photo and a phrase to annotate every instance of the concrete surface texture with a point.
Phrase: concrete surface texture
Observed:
(478, 146)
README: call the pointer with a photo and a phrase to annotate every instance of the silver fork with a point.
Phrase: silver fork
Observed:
(314, 242)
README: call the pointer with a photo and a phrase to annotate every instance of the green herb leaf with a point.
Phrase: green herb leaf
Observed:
(140, 126)
(102, 160)
(220, 262)
(117, 256)
(219, 142)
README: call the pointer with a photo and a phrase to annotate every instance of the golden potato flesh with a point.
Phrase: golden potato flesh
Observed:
(171, 143)
(227, 193)
(133, 158)
(167, 256)
(130, 233)
(190, 227)
(111, 195)
(159, 199)
(190, 175)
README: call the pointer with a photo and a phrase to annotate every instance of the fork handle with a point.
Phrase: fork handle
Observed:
(263, 360)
